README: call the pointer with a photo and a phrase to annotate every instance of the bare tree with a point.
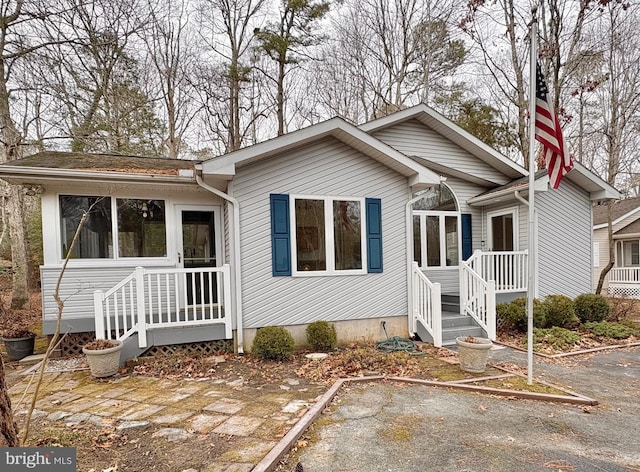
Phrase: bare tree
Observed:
(174, 61)
(285, 41)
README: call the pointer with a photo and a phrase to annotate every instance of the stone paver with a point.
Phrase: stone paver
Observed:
(172, 418)
(133, 425)
(111, 407)
(115, 392)
(239, 426)
(140, 411)
(225, 405)
(60, 398)
(82, 404)
(173, 434)
(202, 424)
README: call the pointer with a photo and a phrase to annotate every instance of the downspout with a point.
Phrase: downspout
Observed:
(235, 253)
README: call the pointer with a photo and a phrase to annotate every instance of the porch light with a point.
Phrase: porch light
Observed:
(145, 210)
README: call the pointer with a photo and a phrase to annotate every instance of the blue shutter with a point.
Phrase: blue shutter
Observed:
(467, 248)
(374, 234)
(280, 236)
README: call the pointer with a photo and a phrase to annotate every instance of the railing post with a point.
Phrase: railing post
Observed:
(98, 313)
(437, 314)
(413, 297)
(140, 309)
(226, 287)
(491, 310)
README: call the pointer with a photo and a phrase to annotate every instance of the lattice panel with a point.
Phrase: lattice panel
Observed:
(206, 348)
(627, 292)
(72, 343)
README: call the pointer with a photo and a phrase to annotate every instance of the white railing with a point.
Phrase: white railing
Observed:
(164, 298)
(478, 299)
(624, 275)
(427, 307)
(508, 269)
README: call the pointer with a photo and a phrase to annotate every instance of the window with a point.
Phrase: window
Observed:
(328, 234)
(436, 228)
(325, 235)
(139, 225)
(628, 253)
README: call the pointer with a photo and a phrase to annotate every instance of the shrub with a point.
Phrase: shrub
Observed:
(609, 330)
(623, 308)
(273, 342)
(560, 312)
(321, 336)
(591, 307)
(513, 316)
(560, 339)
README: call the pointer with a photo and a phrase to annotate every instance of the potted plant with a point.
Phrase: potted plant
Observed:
(18, 342)
(473, 353)
(103, 356)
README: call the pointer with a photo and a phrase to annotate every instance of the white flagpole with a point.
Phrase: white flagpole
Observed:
(532, 171)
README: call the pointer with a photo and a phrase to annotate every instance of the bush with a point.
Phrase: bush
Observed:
(560, 312)
(321, 336)
(609, 330)
(560, 339)
(591, 307)
(273, 342)
(513, 316)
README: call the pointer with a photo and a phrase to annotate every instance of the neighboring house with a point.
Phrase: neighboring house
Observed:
(624, 278)
(407, 219)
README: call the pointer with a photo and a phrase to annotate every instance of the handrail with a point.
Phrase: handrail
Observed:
(164, 298)
(478, 299)
(509, 269)
(427, 307)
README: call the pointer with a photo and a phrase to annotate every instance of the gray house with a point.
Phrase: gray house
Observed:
(407, 219)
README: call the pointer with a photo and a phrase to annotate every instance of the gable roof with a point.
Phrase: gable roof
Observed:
(447, 128)
(620, 210)
(55, 165)
(419, 176)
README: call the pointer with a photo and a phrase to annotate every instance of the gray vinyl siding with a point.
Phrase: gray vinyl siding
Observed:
(564, 241)
(77, 289)
(415, 139)
(327, 167)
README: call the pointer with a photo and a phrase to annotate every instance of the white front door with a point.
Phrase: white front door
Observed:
(199, 244)
(502, 230)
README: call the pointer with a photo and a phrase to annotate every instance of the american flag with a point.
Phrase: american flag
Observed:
(549, 133)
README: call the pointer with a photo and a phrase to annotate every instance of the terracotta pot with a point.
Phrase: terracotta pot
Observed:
(473, 356)
(104, 362)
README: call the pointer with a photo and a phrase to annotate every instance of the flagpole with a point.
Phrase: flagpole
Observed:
(532, 171)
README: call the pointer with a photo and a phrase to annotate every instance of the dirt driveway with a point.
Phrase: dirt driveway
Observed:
(401, 428)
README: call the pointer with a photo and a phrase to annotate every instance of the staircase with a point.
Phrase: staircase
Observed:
(454, 324)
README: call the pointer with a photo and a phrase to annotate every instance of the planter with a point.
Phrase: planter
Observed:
(473, 355)
(19, 348)
(104, 362)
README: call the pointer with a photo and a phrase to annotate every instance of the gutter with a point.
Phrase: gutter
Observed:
(235, 253)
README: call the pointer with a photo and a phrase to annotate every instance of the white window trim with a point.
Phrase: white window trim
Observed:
(516, 225)
(328, 231)
(422, 214)
(622, 252)
(116, 260)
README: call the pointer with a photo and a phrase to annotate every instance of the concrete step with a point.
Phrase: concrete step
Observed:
(453, 319)
(449, 335)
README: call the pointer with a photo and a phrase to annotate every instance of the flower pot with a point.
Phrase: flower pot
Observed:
(19, 348)
(104, 362)
(473, 355)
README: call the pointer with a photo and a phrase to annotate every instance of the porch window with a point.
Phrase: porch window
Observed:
(95, 238)
(138, 228)
(628, 253)
(328, 234)
(141, 228)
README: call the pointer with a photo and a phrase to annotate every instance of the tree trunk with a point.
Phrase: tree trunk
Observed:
(8, 427)
(612, 254)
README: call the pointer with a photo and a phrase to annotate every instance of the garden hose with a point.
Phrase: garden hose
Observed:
(397, 344)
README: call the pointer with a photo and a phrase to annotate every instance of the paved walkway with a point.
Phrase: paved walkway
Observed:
(177, 410)
(399, 427)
